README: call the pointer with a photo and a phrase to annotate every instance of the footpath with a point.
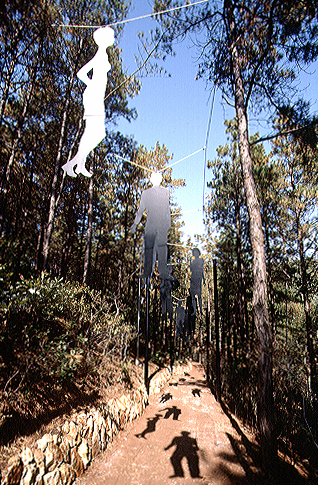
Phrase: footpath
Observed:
(183, 437)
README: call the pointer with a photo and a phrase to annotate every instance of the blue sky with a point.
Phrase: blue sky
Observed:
(174, 111)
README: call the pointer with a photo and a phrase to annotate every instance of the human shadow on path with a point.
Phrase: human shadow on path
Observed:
(196, 392)
(165, 397)
(151, 426)
(172, 411)
(186, 447)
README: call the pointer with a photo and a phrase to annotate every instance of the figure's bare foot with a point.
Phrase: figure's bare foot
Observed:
(81, 169)
(69, 169)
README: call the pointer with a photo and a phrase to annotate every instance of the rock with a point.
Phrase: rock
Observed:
(29, 475)
(95, 443)
(39, 459)
(103, 437)
(76, 463)
(53, 457)
(89, 427)
(44, 441)
(68, 475)
(66, 428)
(53, 478)
(65, 448)
(27, 456)
(83, 451)
(81, 420)
(14, 471)
(74, 431)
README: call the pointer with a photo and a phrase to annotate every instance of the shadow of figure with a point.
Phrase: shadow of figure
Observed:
(165, 397)
(173, 411)
(186, 447)
(196, 392)
(151, 426)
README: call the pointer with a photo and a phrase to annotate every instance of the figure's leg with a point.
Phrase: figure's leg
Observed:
(193, 463)
(194, 303)
(163, 256)
(200, 303)
(68, 167)
(94, 133)
(149, 254)
(176, 463)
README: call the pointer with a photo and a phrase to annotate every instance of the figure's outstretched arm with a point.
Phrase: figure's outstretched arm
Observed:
(169, 446)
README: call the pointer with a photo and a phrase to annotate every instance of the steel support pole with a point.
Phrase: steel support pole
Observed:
(217, 333)
(147, 335)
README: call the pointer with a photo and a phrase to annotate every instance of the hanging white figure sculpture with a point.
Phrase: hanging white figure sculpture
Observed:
(93, 101)
(156, 202)
(197, 275)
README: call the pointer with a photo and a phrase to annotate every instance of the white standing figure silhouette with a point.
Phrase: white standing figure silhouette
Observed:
(93, 101)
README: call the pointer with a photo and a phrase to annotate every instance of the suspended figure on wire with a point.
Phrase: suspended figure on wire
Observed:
(166, 286)
(180, 320)
(155, 201)
(93, 101)
(197, 275)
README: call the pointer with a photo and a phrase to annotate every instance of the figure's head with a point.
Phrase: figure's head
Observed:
(156, 178)
(196, 252)
(104, 36)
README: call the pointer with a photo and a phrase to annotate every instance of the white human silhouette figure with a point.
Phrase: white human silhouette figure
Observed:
(197, 275)
(156, 202)
(93, 101)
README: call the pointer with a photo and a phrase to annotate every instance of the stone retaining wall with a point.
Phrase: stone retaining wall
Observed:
(60, 458)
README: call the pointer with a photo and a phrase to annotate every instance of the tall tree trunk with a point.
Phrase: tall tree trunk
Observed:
(54, 185)
(17, 138)
(272, 312)
(242, 300)
(309, 326)
(89, 233)
(260, 302)
(9, 74)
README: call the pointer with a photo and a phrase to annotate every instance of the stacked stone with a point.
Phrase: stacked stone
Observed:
(61, 457)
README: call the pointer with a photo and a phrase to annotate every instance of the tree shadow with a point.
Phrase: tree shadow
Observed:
(248, 455)
(185, 447)
(195, 382)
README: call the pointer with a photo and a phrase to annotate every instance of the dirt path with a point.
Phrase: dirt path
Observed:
(183, 438)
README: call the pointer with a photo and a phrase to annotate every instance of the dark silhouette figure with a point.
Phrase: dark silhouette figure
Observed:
(165, 397)
(166, 286)
(196, 392)
(180, 318)
(156, 203)
(173, 411)
(151, 426)
(197, 275)
(186, 447)
(190, 318)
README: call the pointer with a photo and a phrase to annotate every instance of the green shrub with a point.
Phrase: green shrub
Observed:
(45, 322)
